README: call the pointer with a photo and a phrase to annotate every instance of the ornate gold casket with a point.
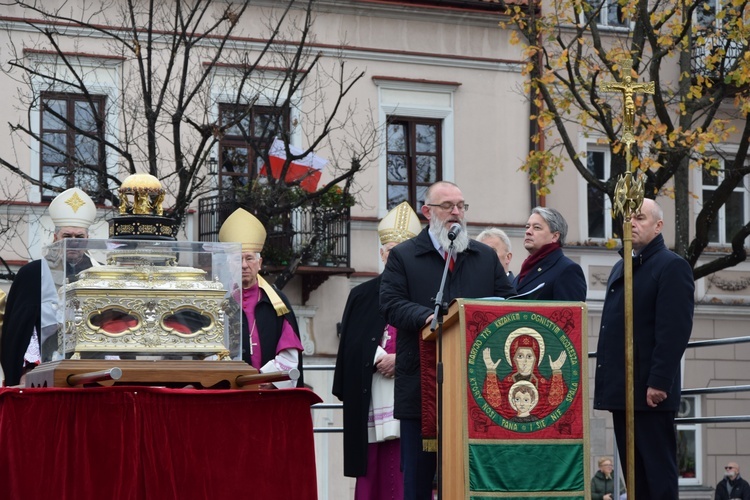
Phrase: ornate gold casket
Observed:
(142, 307)
(153, 298)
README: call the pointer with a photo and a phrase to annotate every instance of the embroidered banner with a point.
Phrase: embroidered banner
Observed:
(526, 400)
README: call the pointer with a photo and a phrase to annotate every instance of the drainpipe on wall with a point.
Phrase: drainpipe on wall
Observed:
(533, 128)
(536, 200)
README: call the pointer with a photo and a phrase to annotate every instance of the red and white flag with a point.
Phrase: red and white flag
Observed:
(308, 169)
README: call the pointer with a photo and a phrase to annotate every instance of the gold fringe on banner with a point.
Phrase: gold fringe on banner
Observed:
(429, 445)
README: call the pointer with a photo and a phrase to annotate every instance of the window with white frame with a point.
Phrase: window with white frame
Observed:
(733, 214)
(705, 14)
(418, 117)
(689, 443)
(708, 14)
(608, 13)
(72, 140)
(70, 126)
(598, 205)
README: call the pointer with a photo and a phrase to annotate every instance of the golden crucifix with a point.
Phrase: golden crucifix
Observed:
(628, 199)
(628, 88)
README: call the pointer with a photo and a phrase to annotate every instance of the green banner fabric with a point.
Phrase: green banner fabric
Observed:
(528, 497)
(526, 467)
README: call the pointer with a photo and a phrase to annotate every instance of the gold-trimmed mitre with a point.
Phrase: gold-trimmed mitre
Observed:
(72, 208)
(400, 224)
(243, 227)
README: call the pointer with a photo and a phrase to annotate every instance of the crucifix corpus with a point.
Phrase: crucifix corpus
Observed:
(627, 201)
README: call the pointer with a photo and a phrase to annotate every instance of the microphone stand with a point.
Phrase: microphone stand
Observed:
(441, 308)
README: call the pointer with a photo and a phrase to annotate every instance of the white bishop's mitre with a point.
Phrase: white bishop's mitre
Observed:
(72, 208)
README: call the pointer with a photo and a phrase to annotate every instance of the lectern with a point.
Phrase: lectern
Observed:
(515, 400)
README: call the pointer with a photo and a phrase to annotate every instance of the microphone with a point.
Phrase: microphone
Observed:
(455, 230)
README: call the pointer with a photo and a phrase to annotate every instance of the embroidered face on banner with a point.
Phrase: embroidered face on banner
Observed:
(524, 374)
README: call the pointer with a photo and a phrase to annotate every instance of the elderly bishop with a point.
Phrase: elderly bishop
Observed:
(270, 335)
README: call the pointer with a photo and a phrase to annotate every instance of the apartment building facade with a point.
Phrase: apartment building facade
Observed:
(444, 87)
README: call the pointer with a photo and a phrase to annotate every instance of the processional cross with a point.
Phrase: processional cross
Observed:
(627, 201)
(627, 87)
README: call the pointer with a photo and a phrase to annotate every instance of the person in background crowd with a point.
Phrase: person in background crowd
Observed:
(732, 487)
(30, 310)
(410, 281)
(367, 359)
(603, 482)
(497, 240)
(270, 335)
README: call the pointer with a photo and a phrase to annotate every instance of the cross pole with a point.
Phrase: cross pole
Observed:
(628, 199)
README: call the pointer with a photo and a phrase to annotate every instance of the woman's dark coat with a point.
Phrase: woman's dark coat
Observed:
(563, 279)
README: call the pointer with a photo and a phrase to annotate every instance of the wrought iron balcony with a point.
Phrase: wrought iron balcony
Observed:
(313, 241)
(714, 55)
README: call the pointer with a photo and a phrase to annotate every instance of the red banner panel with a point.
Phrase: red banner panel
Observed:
(524, 371)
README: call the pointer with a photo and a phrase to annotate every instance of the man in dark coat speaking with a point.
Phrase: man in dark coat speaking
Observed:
(663, 299)
(410, 281)
(363, 379)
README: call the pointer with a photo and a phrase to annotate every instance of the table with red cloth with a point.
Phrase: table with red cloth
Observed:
(145, 443)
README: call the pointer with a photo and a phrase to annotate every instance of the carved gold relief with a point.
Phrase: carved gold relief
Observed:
(144, 308)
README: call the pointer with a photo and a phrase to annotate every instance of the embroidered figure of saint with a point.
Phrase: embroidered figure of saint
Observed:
(524, 353)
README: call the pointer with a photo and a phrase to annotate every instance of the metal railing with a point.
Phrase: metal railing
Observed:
(319, 235)
(325, 406)
(716, 390)
(212, 212)
(711, 390)
(592, 354)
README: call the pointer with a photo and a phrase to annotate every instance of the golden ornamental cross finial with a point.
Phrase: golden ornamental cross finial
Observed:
(629, 193)
(628, 196)
(627, 87)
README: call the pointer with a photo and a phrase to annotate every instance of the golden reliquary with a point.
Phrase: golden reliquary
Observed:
(143, 301)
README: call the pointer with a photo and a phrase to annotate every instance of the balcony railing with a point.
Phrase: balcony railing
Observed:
(710, 43)
(320, 236)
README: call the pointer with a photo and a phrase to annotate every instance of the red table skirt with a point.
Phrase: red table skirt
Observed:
(150, 443)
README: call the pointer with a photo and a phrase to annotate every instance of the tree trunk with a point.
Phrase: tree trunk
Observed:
(682, 215)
